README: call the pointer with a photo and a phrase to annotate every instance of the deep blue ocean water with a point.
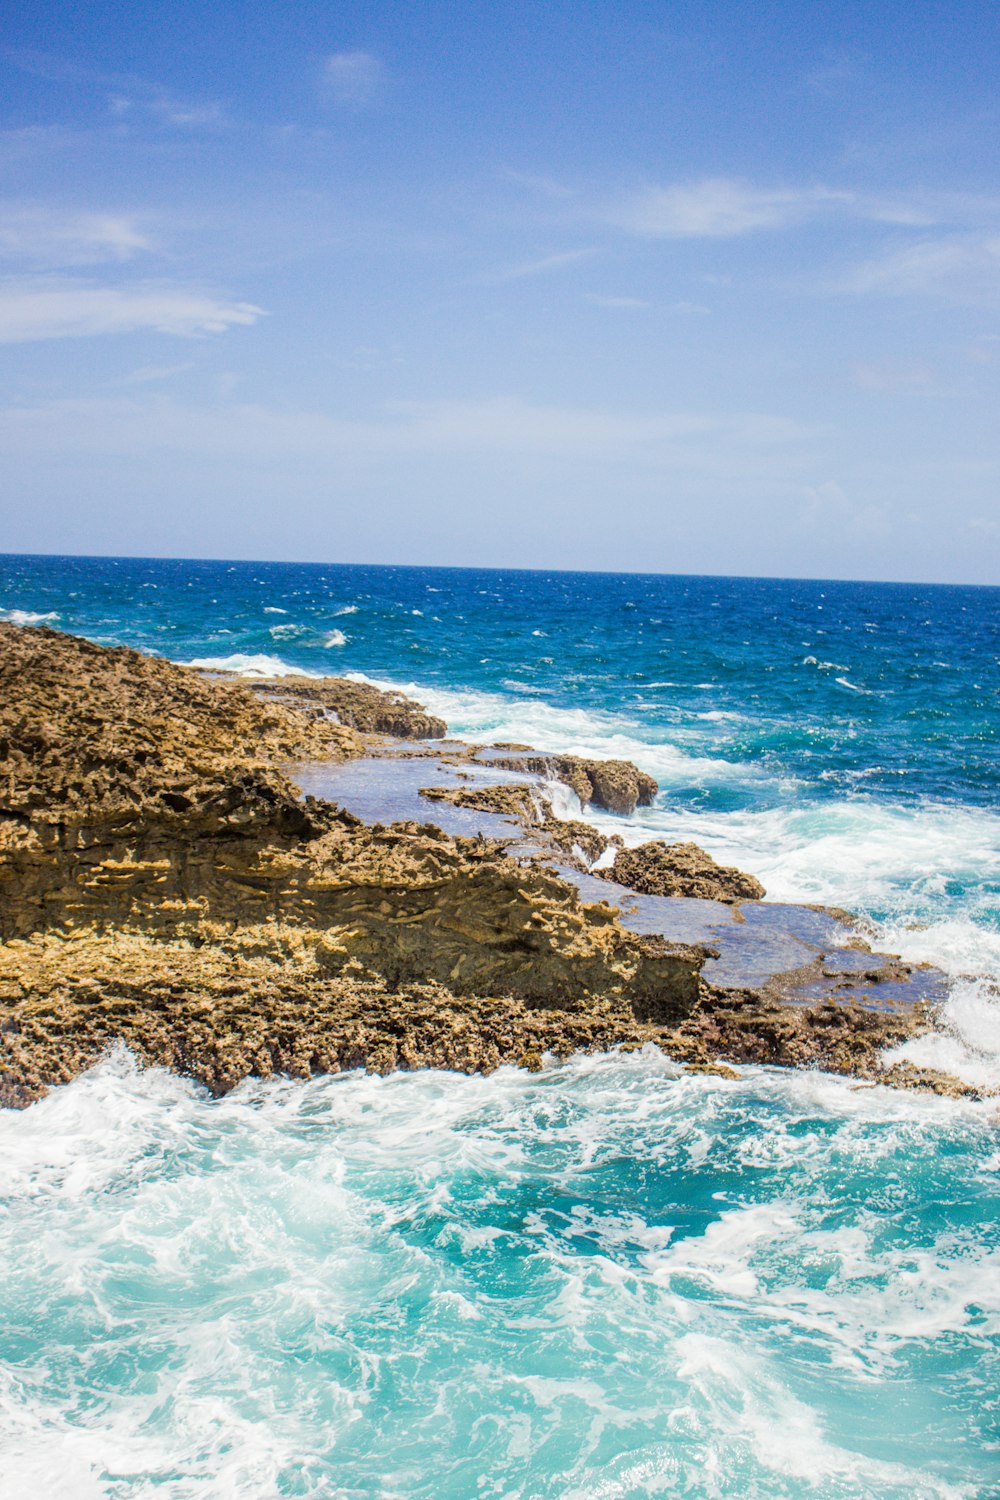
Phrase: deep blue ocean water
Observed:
(609, 1279)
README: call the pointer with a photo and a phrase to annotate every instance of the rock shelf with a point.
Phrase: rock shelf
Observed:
(303, 876)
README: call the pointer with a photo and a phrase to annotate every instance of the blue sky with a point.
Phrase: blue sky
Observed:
(667, 287)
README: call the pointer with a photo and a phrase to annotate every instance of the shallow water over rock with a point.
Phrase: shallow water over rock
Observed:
(800, 953)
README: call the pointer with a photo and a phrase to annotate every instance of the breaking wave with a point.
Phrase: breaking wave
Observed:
(607, 1279)
(257, 665)
(27, 617)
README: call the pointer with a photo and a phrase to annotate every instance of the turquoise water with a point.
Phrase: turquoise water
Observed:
(606, 1280)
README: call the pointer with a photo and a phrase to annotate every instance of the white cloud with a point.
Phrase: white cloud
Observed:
(911, 376)
(354, 79)
(127, 93)
(545, 263)
(716, 208)
(33, 232)
(52, 308)
(726, 208)
(615, 302)
(963, 267)
(741, 447)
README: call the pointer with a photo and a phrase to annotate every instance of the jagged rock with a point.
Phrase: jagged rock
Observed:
(162, 884)
(90, 731)
(657, 869)
(515, 799)
(359, 704)
(141, 801)
(615, 785)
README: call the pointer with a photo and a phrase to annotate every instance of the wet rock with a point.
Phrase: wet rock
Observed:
(657, 869)
(516, 799)
(615, 785)
(359, 704)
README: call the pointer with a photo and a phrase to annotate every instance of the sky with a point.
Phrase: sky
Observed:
(664, 287)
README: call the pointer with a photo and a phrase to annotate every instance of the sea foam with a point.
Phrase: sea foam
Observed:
(610, 1278)
(28, 617)
(255, 665)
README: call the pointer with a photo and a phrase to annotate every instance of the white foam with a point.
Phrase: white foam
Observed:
(249, 666)
(966, 1042)
(293, 1288)
(335, 638)
(482, 717)
(27, 616)
(273, 609)
(346, 609)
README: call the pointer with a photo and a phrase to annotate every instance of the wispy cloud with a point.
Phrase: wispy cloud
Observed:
(716, 208)
(354, 79)
(667, 440)
(727, 208)
(36, 234)
(913, 375)
(54, 308)
(963, 267)
(624, 303)
(542, 264)
(126, 93)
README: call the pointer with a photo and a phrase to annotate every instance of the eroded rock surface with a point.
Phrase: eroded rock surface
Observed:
(357, 704)
(163, 884)
(657, 869)
(144, 814)
(615, 785)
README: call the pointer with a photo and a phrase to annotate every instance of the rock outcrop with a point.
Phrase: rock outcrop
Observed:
(360, 705)
(657, 869)
(143, 809)
(164, 885)
(614, 785)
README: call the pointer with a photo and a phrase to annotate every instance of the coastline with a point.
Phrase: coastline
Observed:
(166, 884)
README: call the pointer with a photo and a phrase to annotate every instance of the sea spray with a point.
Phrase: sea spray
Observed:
(610, 1278)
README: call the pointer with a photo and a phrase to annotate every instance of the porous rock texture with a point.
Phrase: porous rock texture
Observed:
(615, 785)
(360, 705)
(162, 884)
(143, 810)
(657, 869)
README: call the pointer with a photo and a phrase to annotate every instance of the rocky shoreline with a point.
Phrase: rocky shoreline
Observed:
(164, 883)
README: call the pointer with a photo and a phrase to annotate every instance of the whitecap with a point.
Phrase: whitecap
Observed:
(244, 665)
(335, 638)
(966, 1039)
(346, 609)
(27, 616)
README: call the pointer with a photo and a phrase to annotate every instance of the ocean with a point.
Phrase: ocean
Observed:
(610, 1279)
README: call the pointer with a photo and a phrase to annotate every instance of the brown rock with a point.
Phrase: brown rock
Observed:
(615, 785)
(657, 869)
(360, 705)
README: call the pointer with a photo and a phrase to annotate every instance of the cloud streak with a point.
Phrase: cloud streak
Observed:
(354, 79)
(730, 208)
(36, 233)
(39, 308)
(963, 267)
